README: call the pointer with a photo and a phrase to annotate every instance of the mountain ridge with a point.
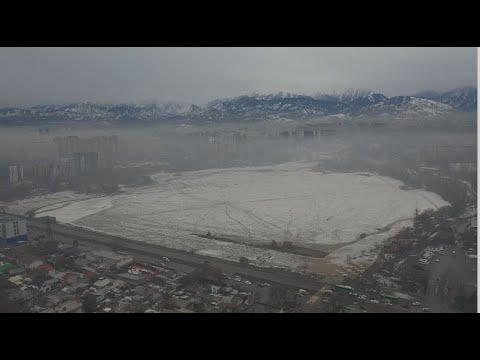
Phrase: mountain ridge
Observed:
(254, 107)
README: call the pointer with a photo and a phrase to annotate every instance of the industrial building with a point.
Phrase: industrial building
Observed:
(12, 230)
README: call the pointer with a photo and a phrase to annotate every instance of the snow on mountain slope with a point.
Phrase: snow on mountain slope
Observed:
(254, 107)
(408, 106)
(462, 98)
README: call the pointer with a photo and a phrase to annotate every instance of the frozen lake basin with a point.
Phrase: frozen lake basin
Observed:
(287, 202)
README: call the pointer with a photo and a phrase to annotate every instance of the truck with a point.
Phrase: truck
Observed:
(389, 297)
(344, 288)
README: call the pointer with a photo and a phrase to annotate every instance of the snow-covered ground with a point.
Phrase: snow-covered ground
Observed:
(287, 202)
(69, 212)
(20, 207)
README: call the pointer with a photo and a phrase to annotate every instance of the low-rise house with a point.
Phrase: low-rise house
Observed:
(71, 277)
(184, 311)
(5, 267)
(106, 256)
(124, 263)
(47, 268)
(151, 311)
(70, 306)
(21, 295)
(16, 280)
(215, 289)
(34, 264)
(181, 303)
(102, 283)
(16, 271)
(119, 284)
(81, 263)
(131, 278)
(94, 298)
(52, 300)
(262, 308)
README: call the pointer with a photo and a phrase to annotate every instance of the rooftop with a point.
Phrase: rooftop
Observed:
(5, 218)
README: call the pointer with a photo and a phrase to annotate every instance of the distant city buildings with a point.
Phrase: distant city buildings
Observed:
(229, 142)
(66, 167)
(105, 146)
(15, 173)
(446, 153)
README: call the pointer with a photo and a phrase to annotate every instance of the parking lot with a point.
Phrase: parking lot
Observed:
(451, 276)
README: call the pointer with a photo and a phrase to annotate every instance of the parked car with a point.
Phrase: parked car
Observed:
(374, 301)
(248, 282)
(437, 260)
(416, 303)
(425, 309)
(166, 259)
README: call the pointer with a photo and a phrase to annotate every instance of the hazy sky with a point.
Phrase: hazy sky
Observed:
(56, 75)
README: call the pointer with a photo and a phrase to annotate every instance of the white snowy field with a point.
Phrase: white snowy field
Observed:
(20, 207)
(287, 202)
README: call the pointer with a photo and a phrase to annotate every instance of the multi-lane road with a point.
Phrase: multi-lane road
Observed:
(448, 276)
(67, 234)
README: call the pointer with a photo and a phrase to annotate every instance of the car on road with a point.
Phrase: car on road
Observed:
(326, 300)
(248, 282)
(373, 301)
(302, 292)
(437, 260)
(237, 279)
(453, 252)
(362, 297)
(425, 309)
(166, 259)
(416, 303)
(329, 291)
(388, 304)
(442, 252)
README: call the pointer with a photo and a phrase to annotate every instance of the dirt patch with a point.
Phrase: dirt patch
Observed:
(291, 249)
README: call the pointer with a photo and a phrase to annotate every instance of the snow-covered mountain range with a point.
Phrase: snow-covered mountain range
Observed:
(464, 98)
(255, 107)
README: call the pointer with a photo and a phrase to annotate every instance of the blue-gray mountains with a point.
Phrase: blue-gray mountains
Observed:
(352, 103)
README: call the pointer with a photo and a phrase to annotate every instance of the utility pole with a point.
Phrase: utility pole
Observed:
(49, 234)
